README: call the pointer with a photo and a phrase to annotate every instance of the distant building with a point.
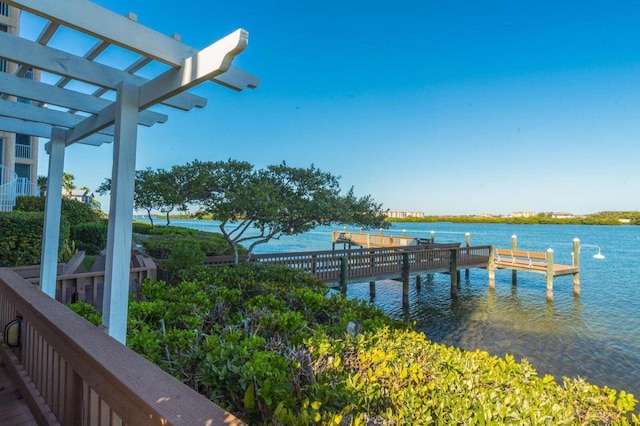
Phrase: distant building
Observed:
(83, 195)
(562, 215)
(523, 214)
(18, 152)
(401, 214)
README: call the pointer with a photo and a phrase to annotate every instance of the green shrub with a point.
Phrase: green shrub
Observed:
(183, 260)
(75, 211)
(86, 311)
(90, 237)
(271, 344)
(21, 237)
(211, 244)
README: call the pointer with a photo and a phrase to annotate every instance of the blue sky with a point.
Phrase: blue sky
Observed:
(444, 107)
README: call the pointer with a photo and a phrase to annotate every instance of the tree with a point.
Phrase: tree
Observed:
(42, 184)
(67, 183)
(255, 207)
(146, 195)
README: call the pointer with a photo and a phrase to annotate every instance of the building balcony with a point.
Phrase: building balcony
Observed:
(23, 151)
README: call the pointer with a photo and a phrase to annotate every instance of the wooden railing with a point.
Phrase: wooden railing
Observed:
(370, 262)
(71, 372)
(83, 286)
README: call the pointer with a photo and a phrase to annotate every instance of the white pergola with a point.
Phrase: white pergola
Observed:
(66, 116)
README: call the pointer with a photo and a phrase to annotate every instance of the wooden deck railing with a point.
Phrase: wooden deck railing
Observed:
(84, 285)
(369, 263)
(71, 372)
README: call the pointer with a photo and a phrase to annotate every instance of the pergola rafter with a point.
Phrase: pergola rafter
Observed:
(66, 116)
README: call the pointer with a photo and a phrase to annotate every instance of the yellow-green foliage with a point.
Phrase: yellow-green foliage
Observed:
(272, 346)
(400, 377)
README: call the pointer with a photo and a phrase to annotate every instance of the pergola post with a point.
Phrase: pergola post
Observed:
(52, 213)
(117, 268)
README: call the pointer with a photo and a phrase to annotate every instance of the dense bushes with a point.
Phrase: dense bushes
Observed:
(75, 211)
(90, 237)
(272, 346)
(21, 238)
(159, 246)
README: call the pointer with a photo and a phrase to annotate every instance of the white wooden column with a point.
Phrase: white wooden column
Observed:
(52, 212)
(117, 268)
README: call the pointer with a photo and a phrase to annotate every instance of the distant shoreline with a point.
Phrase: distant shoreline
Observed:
(604, 218)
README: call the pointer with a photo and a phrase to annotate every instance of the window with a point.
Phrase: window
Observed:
(23, 170)
(23, 139)
(4, 9)
(3, 28)
(1, 152)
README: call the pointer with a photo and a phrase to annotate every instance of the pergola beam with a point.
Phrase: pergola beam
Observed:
(58, 96)
(42, 130)
(17, 49)
(125, 32)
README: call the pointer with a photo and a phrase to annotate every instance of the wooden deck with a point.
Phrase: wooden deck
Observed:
(13, 409)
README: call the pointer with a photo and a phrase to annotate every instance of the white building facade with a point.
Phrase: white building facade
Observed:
(18, 152)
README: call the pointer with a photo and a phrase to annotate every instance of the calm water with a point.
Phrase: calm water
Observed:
(595, 336)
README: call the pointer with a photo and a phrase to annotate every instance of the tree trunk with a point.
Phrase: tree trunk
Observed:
(168, 221)
(150, 218)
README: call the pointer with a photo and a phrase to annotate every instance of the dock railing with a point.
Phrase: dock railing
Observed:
(369, 263)
(71, 372)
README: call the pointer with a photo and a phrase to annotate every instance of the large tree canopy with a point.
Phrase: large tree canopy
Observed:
(254, 206)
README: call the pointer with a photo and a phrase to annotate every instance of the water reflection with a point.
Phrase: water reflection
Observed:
(554, 337)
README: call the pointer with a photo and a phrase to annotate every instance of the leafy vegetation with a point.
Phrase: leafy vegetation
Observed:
(74, 211)
(90, 237)
(21, 237)
(602, 218)
(253, 206)
(160, 244)
(275, 347)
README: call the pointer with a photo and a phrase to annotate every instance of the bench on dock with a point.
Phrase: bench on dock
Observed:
(521, 259)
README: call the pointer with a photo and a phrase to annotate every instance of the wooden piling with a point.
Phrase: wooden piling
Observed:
(344, 268)
(491, 268)
(405, 279)
(372, 289)
(514, 247)
(433, 236)
(418, 283)
(467, 239)
(453, 272)
(549, 275)
(576, 264)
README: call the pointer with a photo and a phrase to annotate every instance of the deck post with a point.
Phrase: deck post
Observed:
(453, 271)
(576, 264)
(52, 212)
(418, 282)
(372, 289)
(514, 247)
(467, 239)
(491, 268)
(433, 236)
(343, 274)
(549, 275)
(405, 279)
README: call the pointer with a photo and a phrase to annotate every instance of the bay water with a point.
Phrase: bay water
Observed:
(595, 336)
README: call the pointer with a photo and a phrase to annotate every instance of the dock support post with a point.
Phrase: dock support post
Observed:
(514, 247)
(549, 275)
(343, 274)
(433, 236)
(491, 268)
(576, 264)
(405, 279)
(467, 238)
(453, 272)
(372, 289)
(418, 283)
